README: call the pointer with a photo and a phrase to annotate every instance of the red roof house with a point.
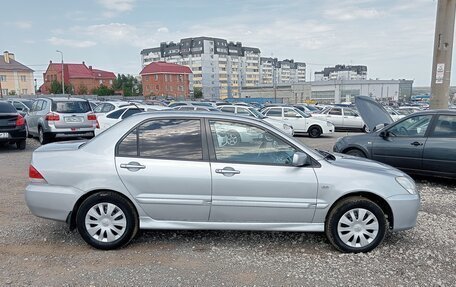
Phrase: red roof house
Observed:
(166, 79)
(83, 79)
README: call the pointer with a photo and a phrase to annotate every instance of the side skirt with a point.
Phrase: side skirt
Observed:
(148, 223)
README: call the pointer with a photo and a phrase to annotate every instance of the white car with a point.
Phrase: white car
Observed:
(105, 121)
(300, 121)
(252, 112)
(342, 118)
(106, 107)
(395, 114)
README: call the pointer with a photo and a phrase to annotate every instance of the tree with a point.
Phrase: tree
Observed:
(56, 88)
(82, 90)
(197, 93)
(129, 85)
(103, 91)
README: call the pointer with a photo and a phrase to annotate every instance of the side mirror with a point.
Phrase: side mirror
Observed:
(300, 159)
(384, 134)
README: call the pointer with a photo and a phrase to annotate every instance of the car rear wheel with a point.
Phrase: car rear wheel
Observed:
(21, 144)
(356, 152)
(356, 224)
(107, 221)
(43, 138)
(314, 132)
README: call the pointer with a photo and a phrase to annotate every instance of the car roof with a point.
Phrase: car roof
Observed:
(63, 99)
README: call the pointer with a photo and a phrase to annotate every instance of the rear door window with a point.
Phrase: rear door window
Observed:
(274, 112)
(131, 112)
(228, 109)
(175, 139)
(116, 114)
(335, 112)
(76, 107)
(445, 127)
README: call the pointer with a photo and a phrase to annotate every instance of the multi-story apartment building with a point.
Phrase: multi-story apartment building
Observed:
(342, 72)
(83, 79)
(15, 78)
(166, 79)
(273, 71)
(220, 68)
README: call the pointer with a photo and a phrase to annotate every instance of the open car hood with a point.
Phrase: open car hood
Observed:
(372, 113)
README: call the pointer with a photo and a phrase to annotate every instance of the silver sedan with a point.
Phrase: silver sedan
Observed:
(170, 170)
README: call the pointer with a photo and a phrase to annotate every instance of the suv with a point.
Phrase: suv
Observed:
(52, 118)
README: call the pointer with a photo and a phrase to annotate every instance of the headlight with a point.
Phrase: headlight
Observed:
(407, 184)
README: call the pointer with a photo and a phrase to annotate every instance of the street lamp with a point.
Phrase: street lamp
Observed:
(63, 78)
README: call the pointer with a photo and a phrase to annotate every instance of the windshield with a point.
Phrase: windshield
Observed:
(304, 114)
(256, 113)
(71, 107)
(314, 109)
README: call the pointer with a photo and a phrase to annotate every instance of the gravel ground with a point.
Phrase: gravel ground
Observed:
(39, 252)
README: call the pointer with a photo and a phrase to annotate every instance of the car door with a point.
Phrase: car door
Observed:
(352, 119)
(335, 116)
(403, 145)
(294, 119)
(164, 166)
(255, 181)
(439, 154)
(32, 118)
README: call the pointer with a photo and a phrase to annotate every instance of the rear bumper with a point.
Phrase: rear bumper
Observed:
(14, 134)
(51, 202)
(405, 210)
(70, 132)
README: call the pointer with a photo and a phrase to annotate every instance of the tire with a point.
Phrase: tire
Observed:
(233, 138)
(366, 129)
(21, 144)
(314, 132)
(95, 225)
(43, 138)
(346, 234)
(356, 152)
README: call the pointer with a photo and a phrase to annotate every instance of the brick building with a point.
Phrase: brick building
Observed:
(82, 78)
(166, 79)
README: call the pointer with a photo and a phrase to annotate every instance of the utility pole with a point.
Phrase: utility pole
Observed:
(443, 49)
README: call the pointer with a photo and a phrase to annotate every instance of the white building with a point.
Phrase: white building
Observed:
(273, 71)
(220, 68)
(342, 72)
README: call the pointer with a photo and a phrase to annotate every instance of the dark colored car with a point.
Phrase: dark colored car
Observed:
(12, 126)
(422, 143)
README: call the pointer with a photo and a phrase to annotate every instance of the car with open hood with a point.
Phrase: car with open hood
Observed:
(175, 170)
(421, 143)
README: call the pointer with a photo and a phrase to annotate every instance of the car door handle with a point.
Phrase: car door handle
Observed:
(416, 143)
(227, 171)
(132, 165)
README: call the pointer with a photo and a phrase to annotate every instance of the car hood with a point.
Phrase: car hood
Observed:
(364, 164)
(372, 113)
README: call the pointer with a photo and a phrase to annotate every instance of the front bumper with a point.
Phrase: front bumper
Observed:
(51, 202)
(405, 210)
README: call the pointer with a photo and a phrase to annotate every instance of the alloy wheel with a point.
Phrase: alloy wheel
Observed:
(232, 139)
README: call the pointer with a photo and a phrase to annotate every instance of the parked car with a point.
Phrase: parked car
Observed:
(12, 126)
(106, 107)
(105, 121)
(195, 108)
(342, 118)
(52, 118)
(301, 122)
(22, 106)
(407, 110)
(395, 114)
(174, 171)
(252, 112)
(421, 143)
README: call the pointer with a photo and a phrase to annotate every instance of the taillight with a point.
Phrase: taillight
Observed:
(91, 117)
(35, 175)
(20, 121)
(52, 117)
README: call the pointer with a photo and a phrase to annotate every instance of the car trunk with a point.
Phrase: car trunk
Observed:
(8, 121)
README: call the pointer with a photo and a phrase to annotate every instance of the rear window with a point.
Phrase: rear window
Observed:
(71, 107)
(7, 108)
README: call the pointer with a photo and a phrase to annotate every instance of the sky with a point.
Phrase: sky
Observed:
(393, 38)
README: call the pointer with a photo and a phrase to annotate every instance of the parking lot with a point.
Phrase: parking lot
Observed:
(40, 252)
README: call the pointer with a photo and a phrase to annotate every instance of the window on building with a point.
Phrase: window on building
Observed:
(2, 78)
(4, 91)
(110, 82)
(24, 91)
(100, 82)
(23, 78)
(156, 77)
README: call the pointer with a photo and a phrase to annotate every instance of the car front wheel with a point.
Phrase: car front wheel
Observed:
(107, 221)
(314, 132)
(356, 224)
